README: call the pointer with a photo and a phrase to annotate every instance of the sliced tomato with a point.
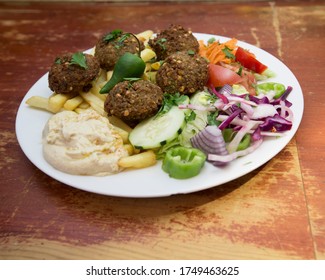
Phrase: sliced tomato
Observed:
(248, 79)
(220, 76)
(249, 61)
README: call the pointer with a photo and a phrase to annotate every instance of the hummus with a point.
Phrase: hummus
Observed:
(82, 144)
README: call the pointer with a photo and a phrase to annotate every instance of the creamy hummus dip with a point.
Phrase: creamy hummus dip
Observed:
(82, 144)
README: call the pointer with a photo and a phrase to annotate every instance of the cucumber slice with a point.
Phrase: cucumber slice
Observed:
(192, 127)
(158, 130)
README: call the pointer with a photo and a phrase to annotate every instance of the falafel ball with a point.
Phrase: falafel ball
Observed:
(183, 72)
(134, 102)
(173, 39)
(108, 50)
(66, 76)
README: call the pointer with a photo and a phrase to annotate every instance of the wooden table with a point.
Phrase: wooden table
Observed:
(275, 212)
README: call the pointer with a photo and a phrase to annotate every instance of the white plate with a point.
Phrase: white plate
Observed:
(152, 181)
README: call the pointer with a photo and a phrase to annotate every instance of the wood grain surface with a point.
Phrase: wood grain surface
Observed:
(275, 212)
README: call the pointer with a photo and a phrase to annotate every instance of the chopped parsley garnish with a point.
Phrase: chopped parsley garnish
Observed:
(191, 52)
(79, 58)
(240, 71)
(161, 42)
(211, 40)
(112, 35)
(120, 42)
(212, 118)
(171, 100)
(228, 52)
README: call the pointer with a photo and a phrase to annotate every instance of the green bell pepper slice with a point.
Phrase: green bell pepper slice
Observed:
(228, 134)
(183, 163)
(264, 88)
(244, 143)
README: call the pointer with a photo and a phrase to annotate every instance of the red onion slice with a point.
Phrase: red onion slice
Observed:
(210, 141)
(231, 157)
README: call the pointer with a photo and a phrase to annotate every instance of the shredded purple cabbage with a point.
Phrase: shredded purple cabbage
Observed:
(227, 122)
(276, 122)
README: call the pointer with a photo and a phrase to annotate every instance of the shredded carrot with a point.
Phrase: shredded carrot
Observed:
(215, 53)
(202, 48)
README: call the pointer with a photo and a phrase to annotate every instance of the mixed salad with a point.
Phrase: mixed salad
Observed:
(238, 108)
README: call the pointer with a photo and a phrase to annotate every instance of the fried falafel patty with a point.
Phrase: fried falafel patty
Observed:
(173, 39)
(66, 77)
(182, 72)
(109, 51)
(134, 102)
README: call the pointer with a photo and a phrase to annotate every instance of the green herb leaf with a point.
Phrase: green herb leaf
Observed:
(211, 40)
(58, 61)
(191, 52)
(228, 53)
(171, 100)
(79, 58)
(120, 42)
(240, 71)
(112, 35)
(212, 118)
(161, 42)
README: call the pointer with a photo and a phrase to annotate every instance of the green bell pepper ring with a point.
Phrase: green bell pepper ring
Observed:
(264, 88)
(183, 163)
